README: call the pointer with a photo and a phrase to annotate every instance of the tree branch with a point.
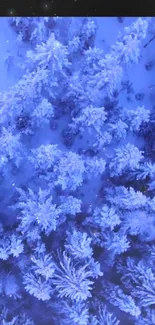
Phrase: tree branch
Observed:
(149, 41)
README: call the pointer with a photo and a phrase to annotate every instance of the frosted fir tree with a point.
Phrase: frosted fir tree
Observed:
(127, 48)
(41, 29)
(110, 67)
(75, 313)
(95, 166)
(75, 93)
(37, 209)
(33, 29)
(74, 47)
(42, 113)
(4, 249)
(139, 277)
(79, 245)
(102, 140)
(81, 37)
(106, 217)
(10, 244)
(147, 169)
(115, 243)
(11, 148)
(51, 54)
(126, 199)
(44, 157)
(134, 118)
(90, 118)
(145, 290)
(126, 158)
(33, 235)
(138, 27)
(118, 298)
(43, 265)
(24, 96)
(16, 245)
(30, 86)
(135, 224)
(107, 77)
(72, 281)
(95, 268)
(37, 286)
(70, 205)
(16, 320)
(70, 171)
(102, 73)
(78, 89)
(118, 130)
(104, 316)
(88, 30)
(91, 59)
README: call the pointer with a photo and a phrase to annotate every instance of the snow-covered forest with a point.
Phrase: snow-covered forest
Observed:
(77, 171)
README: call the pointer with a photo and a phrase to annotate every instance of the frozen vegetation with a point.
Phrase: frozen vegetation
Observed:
(77, 171)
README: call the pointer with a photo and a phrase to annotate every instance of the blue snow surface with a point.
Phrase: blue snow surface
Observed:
(77, 171)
